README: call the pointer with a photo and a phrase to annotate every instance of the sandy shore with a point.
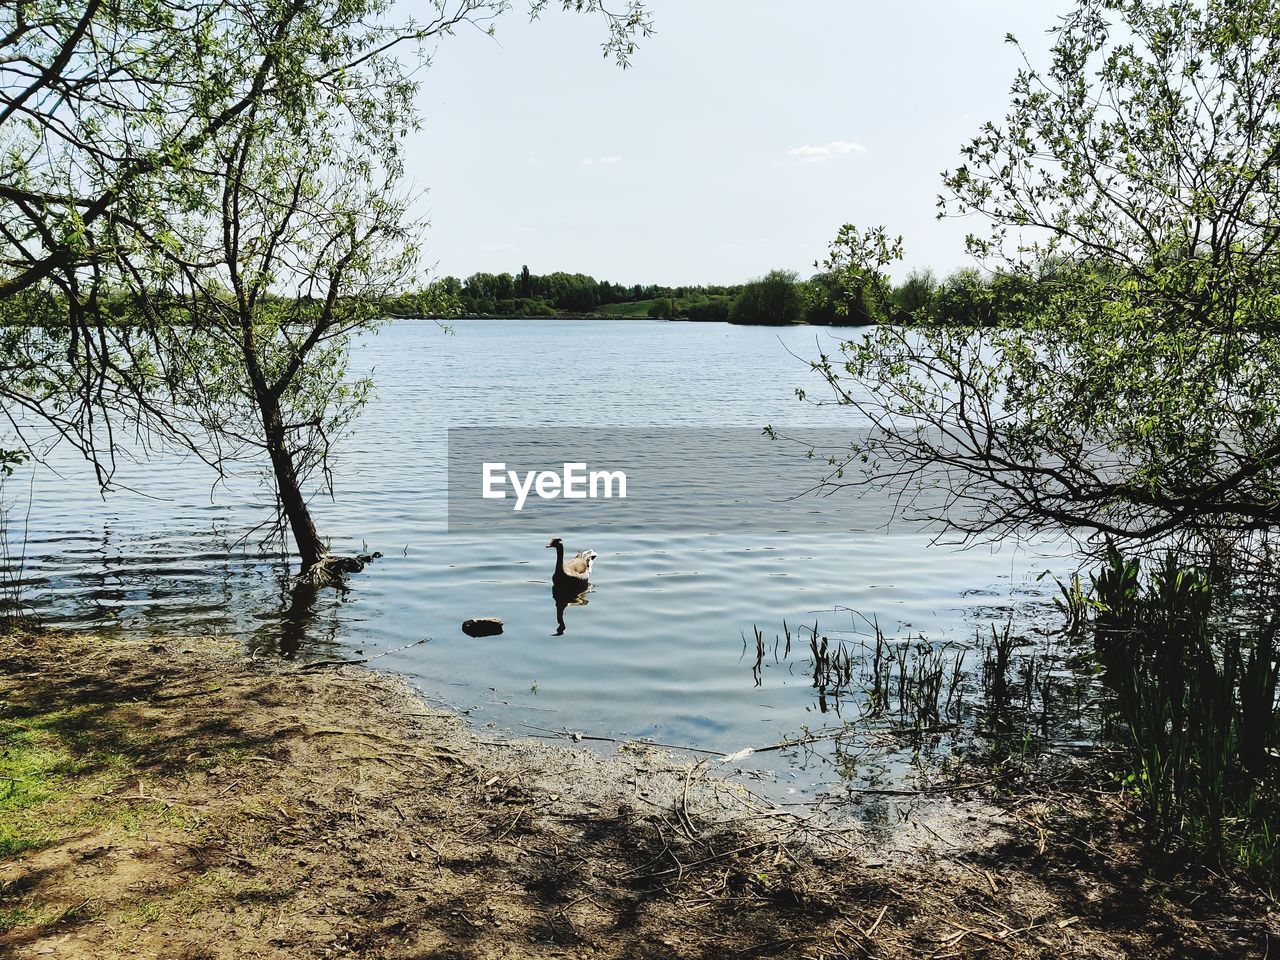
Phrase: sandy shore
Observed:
(176, 799)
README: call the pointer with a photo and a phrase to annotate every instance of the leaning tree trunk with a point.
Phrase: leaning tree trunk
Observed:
(311, 549)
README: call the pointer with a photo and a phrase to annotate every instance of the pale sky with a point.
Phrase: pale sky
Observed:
(745, 133)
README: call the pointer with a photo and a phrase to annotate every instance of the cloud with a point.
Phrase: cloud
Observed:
(826, 151)
(599, 161)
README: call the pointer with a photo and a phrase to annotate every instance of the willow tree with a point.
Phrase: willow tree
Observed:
(1134, 190)
(200, 208)
(251, 331)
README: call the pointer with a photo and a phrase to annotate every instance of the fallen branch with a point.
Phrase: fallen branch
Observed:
(354, 663)
(576, 736)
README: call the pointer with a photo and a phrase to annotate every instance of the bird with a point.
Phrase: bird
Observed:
(572, 575)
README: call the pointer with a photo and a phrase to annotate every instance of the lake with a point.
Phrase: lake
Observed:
(665, 646)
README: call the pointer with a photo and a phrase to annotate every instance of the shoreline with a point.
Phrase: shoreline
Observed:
(177, 798)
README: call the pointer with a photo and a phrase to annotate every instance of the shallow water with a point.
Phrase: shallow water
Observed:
(658, 649)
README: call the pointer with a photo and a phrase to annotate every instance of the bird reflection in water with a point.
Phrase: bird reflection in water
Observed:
(566, 598)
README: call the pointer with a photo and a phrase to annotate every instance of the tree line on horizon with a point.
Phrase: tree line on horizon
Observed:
(966, 297)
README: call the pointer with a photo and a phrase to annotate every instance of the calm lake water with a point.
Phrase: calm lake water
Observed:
(658, 651)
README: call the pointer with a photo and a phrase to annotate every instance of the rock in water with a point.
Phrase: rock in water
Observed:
(482, 627)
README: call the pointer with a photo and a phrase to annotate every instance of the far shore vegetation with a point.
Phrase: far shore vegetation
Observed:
(780, 298)
(967, 297)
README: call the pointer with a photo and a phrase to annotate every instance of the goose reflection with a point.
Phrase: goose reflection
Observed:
(563, 599)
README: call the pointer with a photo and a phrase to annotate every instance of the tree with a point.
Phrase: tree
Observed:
(964, 299)
(243, 359)
(180, 247)
(914, 298)
(773, 299)
(820, 295)
(109, 112)
(855, 267)
(667, 308)
(714, 308)
(1135, 187)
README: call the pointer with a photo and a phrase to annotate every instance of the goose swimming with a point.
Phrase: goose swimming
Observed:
(573, 574)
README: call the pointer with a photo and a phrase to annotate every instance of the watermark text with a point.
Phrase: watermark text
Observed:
(574, 482)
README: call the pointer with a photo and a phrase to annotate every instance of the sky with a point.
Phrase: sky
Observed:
(741, 138)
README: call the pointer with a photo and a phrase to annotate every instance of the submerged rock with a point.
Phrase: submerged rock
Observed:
(482, 627)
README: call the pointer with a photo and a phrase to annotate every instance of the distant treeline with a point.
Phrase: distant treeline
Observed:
(963, 298)
(528, 294)
(966, 297)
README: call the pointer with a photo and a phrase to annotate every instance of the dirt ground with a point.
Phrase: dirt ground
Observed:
(178, 800)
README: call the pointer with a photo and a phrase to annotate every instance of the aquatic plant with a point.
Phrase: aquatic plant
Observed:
(12, 608)
(1193, 695)
(918, 681)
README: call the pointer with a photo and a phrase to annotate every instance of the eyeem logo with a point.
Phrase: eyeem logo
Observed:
(574, 483)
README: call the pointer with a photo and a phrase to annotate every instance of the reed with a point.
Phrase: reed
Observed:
(1193, 695)
(757, 669)
(1073, 604)
(832, 665)
(920, 681)
(997, 657)
(12, 609)
(880, 668)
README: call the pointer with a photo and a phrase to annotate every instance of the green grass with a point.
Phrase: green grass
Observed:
(58, 771)
(55, 769)
(79, 777)
(638, 308)
(30, 915)
(35, 760)
(211, 890)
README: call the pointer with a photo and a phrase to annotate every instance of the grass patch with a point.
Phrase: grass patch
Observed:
(37, 914)
(55, 769)
(35, 761)
(32, 915)
(637, 308)
(212, 891)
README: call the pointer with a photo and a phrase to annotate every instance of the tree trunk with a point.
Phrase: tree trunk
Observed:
(306, 538)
